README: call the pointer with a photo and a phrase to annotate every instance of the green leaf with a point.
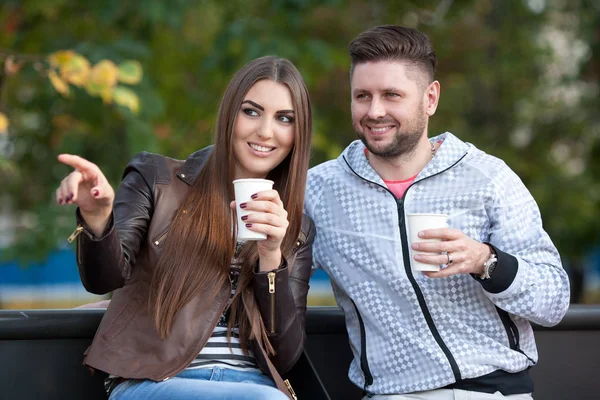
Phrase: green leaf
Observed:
(130, 72)
(127, 98)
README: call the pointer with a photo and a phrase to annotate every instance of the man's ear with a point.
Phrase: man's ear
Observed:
(432, 97)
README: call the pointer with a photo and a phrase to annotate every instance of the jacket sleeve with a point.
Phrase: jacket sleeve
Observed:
(529, 280)
(283, 308)
(105, 263)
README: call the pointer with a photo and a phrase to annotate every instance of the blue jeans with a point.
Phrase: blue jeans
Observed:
(199, 384)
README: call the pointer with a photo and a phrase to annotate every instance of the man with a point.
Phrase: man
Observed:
(459, 333)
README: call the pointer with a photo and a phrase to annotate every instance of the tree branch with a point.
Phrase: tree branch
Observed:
(5, 53)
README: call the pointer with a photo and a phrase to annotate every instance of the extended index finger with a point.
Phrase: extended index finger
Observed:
(77, 162)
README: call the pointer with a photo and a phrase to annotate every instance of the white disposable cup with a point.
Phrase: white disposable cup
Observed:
(244, 188)
(418, 223)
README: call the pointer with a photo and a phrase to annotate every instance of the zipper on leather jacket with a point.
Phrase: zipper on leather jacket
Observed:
(271, 276)
(72, 237)
(160, 238)
(406, 255)
(288, 385)
(75, 233)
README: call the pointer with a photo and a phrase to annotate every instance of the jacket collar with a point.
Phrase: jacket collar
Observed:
(193, 164)
(451, 150)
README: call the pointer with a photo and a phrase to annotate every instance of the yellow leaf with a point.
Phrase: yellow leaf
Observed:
(3, 124)
(130, 72)
(105, 73)
(106, 95)
(59, 85)
(127, 98)
(76, 70)
(60, 58)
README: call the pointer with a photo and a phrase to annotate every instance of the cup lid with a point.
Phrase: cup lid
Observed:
(253, 180)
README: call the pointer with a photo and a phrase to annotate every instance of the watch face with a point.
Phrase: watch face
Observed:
(492, 268)
(489, 267)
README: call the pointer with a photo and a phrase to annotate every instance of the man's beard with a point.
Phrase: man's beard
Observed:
(405, 140)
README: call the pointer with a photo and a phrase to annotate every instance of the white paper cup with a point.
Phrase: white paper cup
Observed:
(418, 223)
(244, 188)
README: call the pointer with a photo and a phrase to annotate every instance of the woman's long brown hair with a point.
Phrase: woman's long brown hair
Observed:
(201, 241)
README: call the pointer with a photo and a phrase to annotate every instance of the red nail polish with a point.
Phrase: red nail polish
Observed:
(248, 225)
(245, 217)
(255, 195)
(60, 201)
(95, 193)
(243, 205)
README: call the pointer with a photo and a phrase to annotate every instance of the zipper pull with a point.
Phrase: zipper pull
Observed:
(400, 204)
(288, 385)
(271, 276)
(75, 233)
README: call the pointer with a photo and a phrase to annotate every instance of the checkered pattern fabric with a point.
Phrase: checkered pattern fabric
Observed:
(359, 245)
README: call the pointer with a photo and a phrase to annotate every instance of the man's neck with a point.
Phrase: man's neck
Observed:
(404, 166)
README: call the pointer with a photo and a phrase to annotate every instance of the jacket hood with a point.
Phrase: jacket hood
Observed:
(451, 150)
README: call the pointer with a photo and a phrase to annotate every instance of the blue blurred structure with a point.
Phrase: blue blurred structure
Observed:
(55, 284)
(591, 272)
(320, 292)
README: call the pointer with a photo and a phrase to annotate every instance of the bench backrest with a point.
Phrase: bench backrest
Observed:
(41, 353)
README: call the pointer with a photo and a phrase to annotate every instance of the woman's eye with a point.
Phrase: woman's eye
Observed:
(250, 112)
(286, 118)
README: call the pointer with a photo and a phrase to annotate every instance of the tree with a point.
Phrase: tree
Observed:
(519, 79)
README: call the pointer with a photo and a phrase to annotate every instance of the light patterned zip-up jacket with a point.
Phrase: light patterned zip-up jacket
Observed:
(409, 332)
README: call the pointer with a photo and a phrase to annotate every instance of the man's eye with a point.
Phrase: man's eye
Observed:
(361, 96)
(250, 112)
(392, 95)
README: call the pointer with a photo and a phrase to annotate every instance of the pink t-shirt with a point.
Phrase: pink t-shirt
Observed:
(399, 187)
(396, 187)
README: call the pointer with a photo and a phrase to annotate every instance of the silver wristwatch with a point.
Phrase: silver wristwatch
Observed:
(489, 266)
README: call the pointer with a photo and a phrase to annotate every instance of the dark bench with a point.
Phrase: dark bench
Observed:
(41, 352)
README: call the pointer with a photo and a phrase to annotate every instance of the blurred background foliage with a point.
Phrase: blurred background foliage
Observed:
(520, 79)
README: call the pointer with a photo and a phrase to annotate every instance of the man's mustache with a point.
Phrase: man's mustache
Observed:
(378, 121)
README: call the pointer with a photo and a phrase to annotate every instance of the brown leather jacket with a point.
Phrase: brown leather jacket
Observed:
(122, 261)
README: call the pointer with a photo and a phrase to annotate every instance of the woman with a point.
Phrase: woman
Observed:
(194, 313)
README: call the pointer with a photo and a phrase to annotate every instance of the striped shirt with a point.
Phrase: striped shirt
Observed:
(217, 352)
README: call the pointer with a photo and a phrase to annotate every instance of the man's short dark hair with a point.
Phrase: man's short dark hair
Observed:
(394, 43)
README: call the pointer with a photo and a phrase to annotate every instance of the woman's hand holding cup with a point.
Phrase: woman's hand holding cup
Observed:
(264, 213)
